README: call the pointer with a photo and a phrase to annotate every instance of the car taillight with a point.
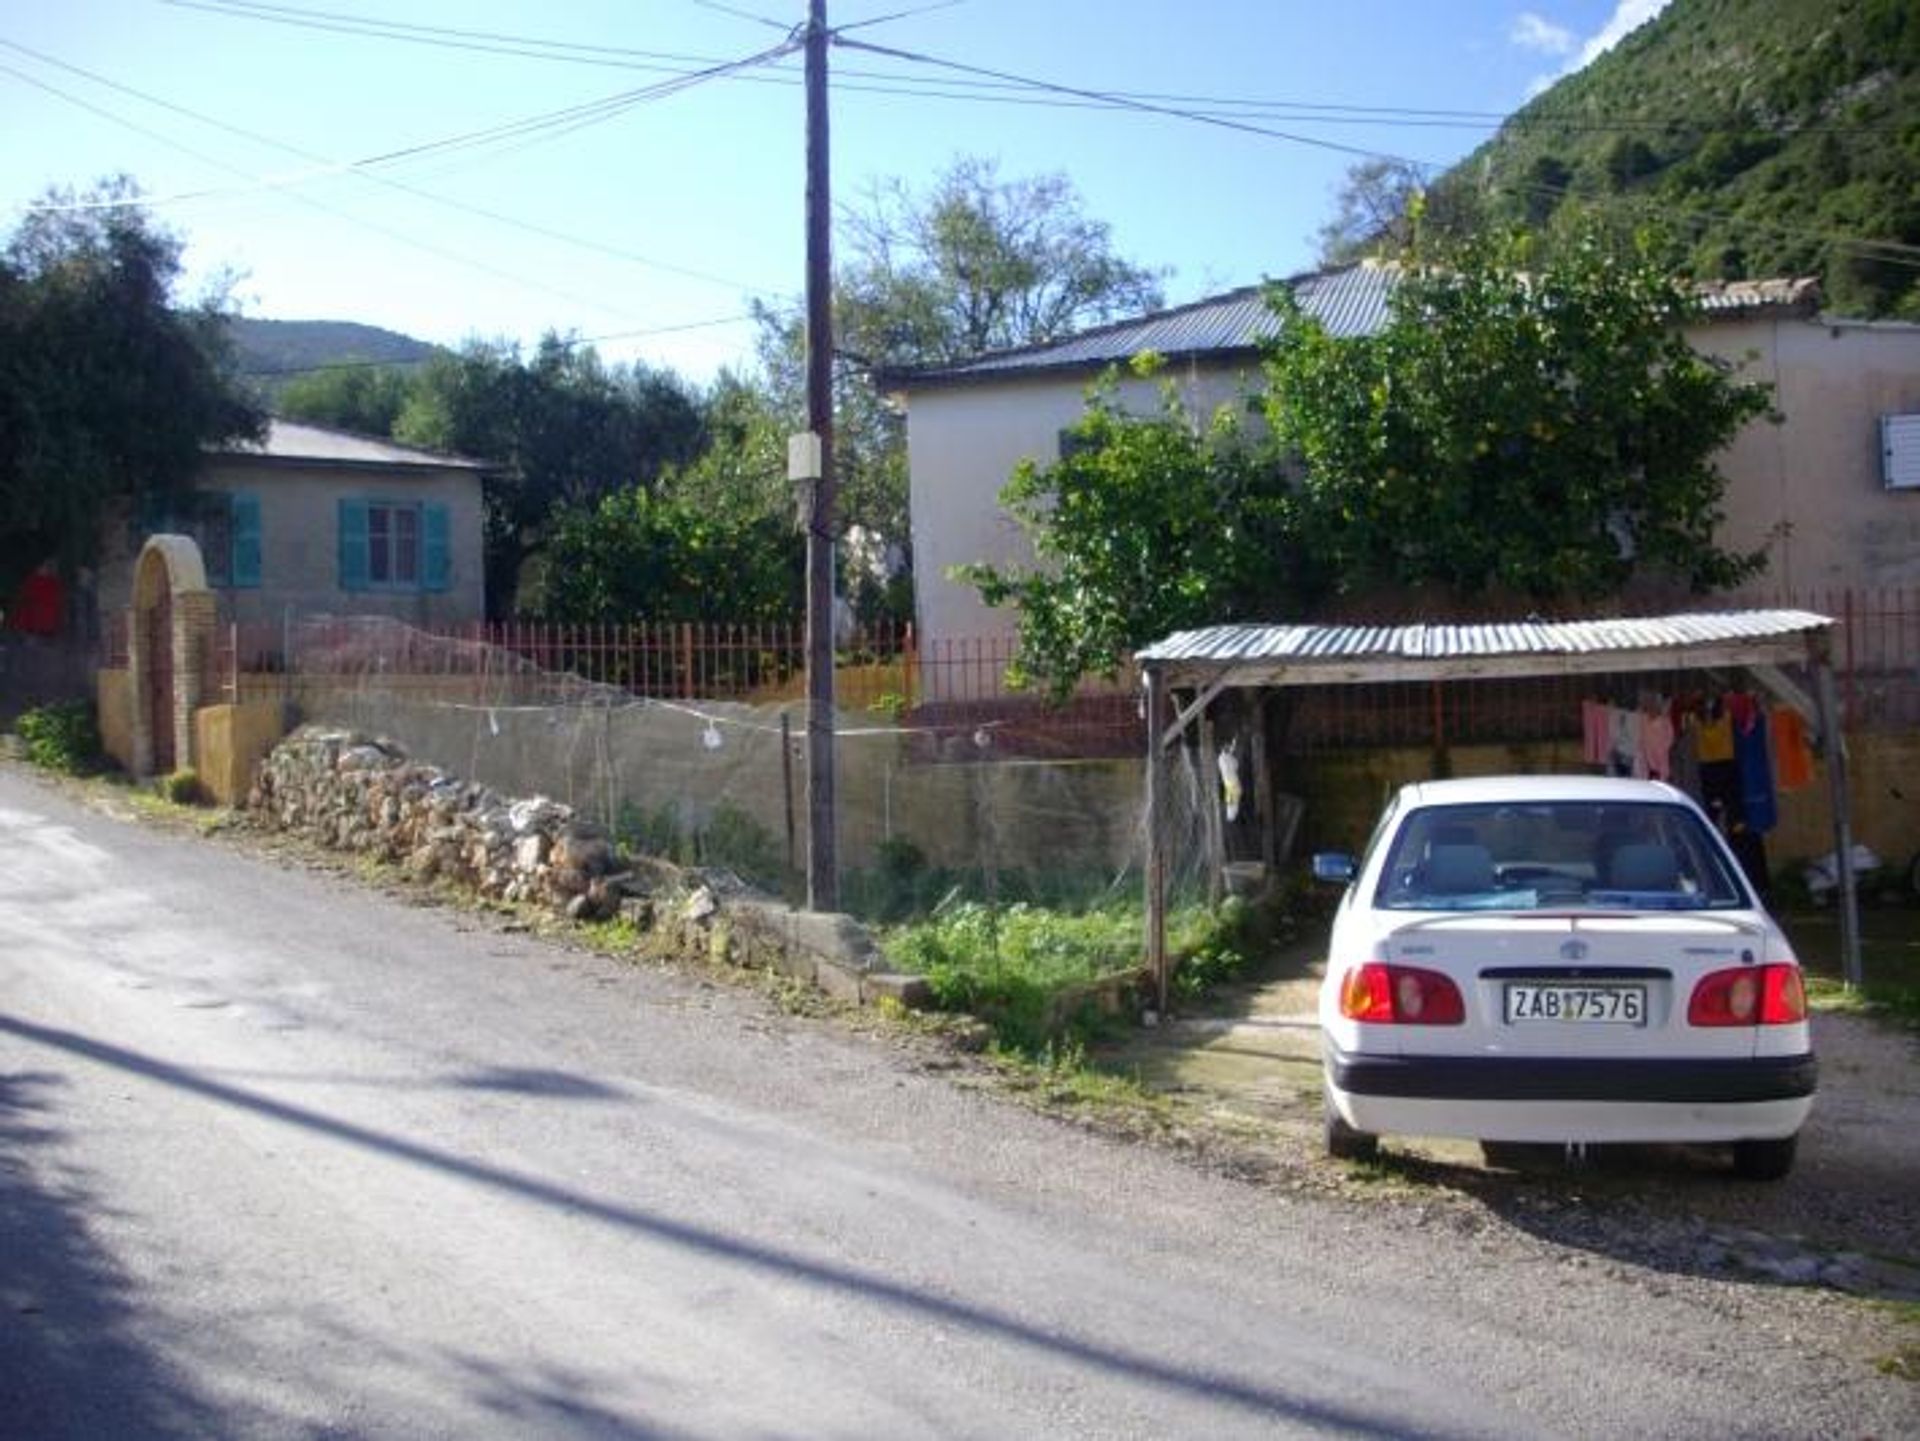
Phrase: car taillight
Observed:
(1771, 995)
(1400, 996)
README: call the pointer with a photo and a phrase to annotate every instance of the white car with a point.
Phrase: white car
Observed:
(1559, 959)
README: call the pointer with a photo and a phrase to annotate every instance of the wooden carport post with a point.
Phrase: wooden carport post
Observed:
(1820, 657)
(1155, 877)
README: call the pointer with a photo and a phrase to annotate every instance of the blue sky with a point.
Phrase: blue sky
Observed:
(264, 141)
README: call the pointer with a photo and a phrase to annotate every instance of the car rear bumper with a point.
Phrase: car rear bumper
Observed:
(1561, 1078)
(1503, 1099)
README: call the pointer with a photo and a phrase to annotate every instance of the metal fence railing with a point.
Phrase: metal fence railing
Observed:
(962, 684)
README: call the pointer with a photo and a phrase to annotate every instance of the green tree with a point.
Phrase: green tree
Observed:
(1144, 526)
(110, 390)
(365, 399)
(669, 557)
(563, 427)
(974, 263)
(1543, 432)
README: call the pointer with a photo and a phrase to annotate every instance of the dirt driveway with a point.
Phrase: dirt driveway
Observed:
(1848, 1216)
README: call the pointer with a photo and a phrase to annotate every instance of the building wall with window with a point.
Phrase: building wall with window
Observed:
(1812, 489)
(319, 522)
(1809, 488)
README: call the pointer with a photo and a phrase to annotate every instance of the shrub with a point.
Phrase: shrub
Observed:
(61, 737)
(183, 787)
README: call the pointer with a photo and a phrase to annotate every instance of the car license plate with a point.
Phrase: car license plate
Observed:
(1614, 1005)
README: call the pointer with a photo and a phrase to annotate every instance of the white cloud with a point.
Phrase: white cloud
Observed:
(1535, 32)
(1628, 16)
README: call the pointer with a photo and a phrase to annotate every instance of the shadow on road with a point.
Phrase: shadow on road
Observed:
(71, 1361)
(1140, 1368)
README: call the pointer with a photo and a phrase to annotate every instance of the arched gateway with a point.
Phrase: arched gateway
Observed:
(170, 630)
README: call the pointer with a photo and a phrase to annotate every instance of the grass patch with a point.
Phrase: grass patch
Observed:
(1889, 962)
(1034, 975)
(1903, 1364)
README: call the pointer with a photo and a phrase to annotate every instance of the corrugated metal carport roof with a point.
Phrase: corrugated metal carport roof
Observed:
(1254, 655)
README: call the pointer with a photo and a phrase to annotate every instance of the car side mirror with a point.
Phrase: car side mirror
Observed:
(1336, 868)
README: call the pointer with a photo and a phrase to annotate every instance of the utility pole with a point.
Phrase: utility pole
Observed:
(823, 880)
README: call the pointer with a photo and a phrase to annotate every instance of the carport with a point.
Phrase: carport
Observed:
(1185, 673)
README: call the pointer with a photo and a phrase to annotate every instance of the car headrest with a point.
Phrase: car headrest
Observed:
(1643, 866)
(1458, 870)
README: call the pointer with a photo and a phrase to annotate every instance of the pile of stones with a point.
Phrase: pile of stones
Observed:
(356, 793)
(353, 792)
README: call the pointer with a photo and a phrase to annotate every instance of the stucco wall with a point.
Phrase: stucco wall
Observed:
(113, 691)
(1817, 477)
(963, 442)
(299, 544)
(230, 742)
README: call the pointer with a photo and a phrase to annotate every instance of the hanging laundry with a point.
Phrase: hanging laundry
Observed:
(1596, 734)
(1792, 753)
(1685, 760)
(1755, 763)
(1229, 762)
(1716, 737)
(1656, 744)
(1623, 747)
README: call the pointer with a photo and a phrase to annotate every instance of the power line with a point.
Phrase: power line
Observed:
(1893, 251)
(738, 14)
(404, 238)
(978, 90)
(1125, 102)
(390, 183)
(256, 137)
(561, 121)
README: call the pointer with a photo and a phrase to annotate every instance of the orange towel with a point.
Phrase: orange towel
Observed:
(1792, 756)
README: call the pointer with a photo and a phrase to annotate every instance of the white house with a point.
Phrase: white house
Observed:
(1815, 486)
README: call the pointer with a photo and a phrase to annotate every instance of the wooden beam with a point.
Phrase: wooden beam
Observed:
(1263, 791)
(1200, 703)
(1154, 867)
(1210, 818)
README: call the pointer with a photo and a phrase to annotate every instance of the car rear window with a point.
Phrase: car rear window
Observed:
(1548, 855)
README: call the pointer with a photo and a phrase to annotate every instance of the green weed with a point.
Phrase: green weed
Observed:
(61, 737)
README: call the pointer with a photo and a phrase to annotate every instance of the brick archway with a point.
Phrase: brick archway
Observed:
(168, 635)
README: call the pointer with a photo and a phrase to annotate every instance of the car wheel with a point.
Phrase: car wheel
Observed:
(1344, 1143)
(1767, 1160)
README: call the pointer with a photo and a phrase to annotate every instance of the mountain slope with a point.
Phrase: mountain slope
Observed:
(271, 351)
(1775, 137)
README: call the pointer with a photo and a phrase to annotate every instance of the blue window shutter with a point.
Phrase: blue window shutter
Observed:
(353, 545)
(245, 567)
(437, 570)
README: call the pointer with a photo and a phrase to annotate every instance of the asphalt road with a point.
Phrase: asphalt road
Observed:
(284, 1157)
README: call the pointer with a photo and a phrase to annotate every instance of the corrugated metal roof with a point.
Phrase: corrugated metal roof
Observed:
(289, 440)
(1227, 646)
(1349, 301)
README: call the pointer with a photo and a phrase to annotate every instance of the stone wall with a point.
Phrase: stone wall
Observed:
(350, 791)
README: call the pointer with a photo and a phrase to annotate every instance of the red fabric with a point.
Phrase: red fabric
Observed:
(37, 607)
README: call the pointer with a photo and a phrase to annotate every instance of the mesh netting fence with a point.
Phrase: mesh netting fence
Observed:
(933, 809)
